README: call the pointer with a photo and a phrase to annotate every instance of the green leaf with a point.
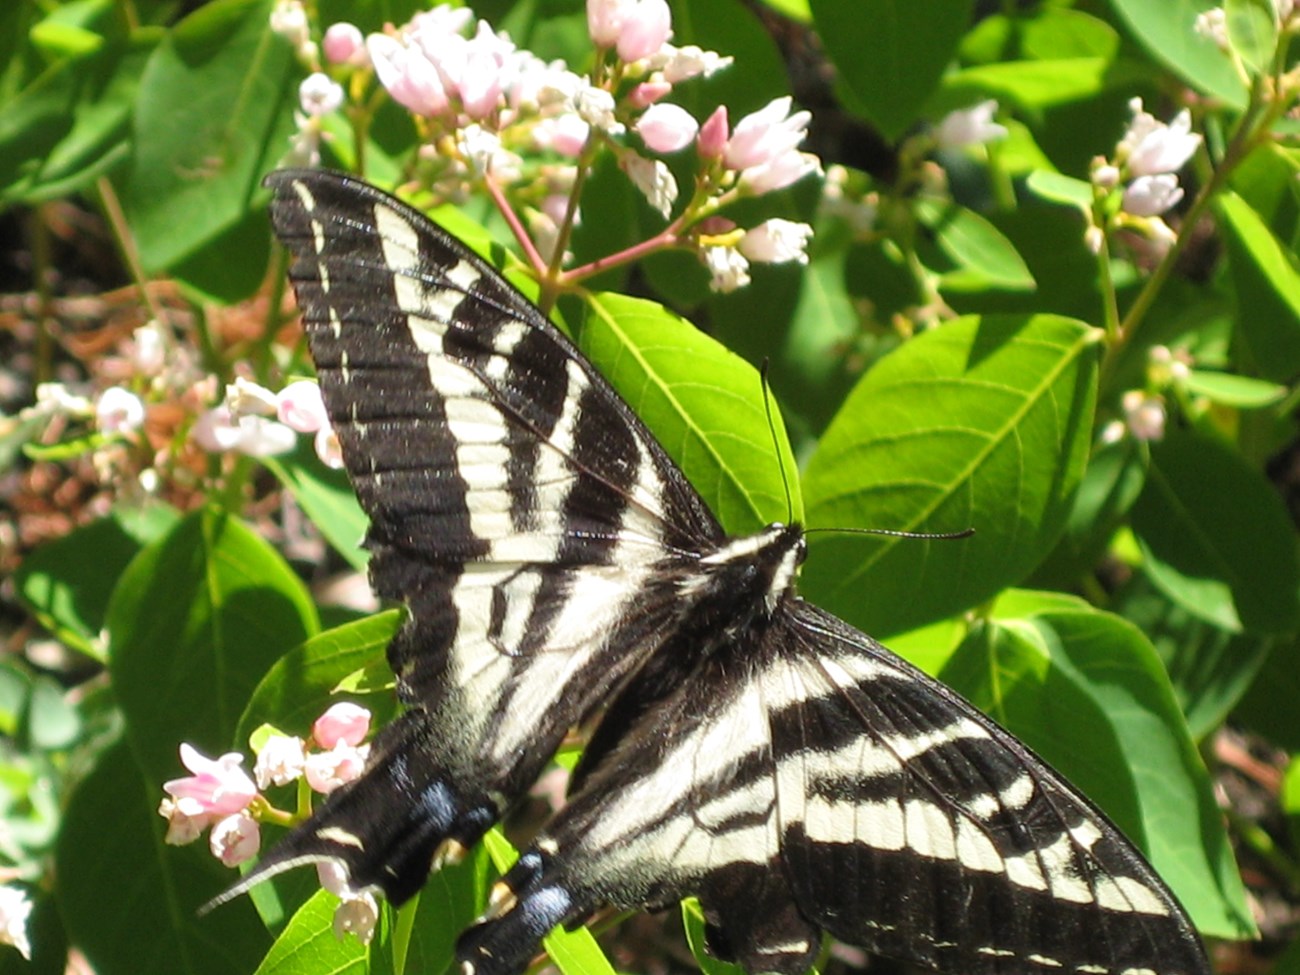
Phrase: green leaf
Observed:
(212, 116)
(308, 944)
(704, 403)
(1166, 30)
(121, 888)
(1232, 564)
(1228, 389)
(327, 498)
(980, 423)
(303, 682)
(985, 257)
(1209, 668)
(911, 42)
(1086, 691)
(1110, 486)
(1267, 283)
(1031, 85)
(195, 621)
(68, 591)
(1061, 189)
(1252, 32)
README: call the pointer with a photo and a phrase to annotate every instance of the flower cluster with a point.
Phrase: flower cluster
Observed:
(1213, 23)
(1144, 410)
(244, 422)
(496, 116)
(219, 796)
(1146, 163)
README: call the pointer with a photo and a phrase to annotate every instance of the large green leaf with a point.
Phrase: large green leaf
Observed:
(704, 403)
(1267, 284)
(67, 582)
(210, 120)
(891, 53)
(1086, 691)
(981, 423)
(194, 623)
(1166, 29)
(1232, 564)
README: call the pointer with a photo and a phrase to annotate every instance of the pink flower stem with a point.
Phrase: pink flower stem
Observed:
(666, 238)
(516, 228)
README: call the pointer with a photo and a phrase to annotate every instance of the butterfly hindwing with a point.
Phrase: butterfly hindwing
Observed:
(812, 780)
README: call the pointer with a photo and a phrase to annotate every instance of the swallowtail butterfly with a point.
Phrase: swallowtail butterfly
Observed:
(754, 750)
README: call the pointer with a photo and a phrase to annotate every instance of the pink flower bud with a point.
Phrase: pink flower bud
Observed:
(299, 406)
(712, 140)
(343, 722)
(647, 93)
(646, 27)
(605, 21)
(235, 839)
(666, 127)
(344, 43)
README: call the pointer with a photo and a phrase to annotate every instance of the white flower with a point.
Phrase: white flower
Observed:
(186, 820)
(289, 20)
(326, 771)
(969, 126)
(1213, 23)
(149, 349)
(357, 915)
(235, 839)
(654, 179)
(319, 94)
(57, 398)
(482, 149)
(119, 411)
(260, 437)
(1150, 196)
(565, 133)
(763, 136)
(333, 876)
(680, 63)
(1144, 415)
(280, 761)
(15, 908)
(596, 107)
(328, 449)
(1150, 147)
(780, 172)
(245, 397)
(776, 241)
(728, 269)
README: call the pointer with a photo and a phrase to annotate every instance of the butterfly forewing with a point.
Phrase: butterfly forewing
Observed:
(758, 753)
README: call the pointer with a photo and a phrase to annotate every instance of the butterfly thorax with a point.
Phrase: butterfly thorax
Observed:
(744, 580)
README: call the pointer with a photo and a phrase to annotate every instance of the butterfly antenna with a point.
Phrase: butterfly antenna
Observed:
(776, 444)
(893, 533)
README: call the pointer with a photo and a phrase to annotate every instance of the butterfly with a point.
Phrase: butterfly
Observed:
(751, 750)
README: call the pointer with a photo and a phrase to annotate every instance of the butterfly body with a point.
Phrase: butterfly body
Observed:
(751, 749)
